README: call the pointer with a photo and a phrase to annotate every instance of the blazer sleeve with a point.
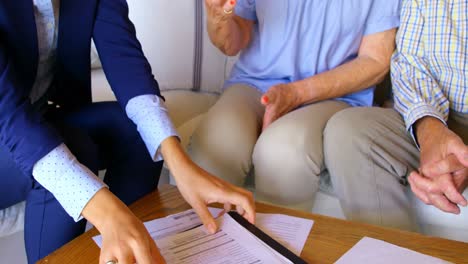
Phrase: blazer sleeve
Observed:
(126, 68)
(23, 131)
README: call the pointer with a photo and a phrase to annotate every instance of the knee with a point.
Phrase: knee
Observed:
(281, 145)
(346, 132)
(285, 171)
(223, 142)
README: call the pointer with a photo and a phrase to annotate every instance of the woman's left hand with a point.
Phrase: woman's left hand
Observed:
(278, 101)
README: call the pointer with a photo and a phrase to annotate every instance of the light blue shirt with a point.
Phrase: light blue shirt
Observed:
(46, 14)
(59, 171)
(296, 39)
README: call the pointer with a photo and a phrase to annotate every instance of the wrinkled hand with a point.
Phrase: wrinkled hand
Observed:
(124, 237)
(443, 192)
(217, 8)
(278, 101)
(199, 189)
(443, 175)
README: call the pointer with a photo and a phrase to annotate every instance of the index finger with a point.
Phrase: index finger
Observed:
(459, 149)
(448, 165)
(425, 184)
(205, 216)
(245, 201)
(450, 190)
(441, 202)
(229, 5)
(269, 116)
(142, 253)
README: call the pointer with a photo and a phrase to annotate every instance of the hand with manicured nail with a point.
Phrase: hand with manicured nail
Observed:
(278, 101)
(228, 32)
(443, 175)
(220, 8)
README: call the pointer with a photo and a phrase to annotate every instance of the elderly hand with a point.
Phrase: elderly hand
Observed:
(220, 8)
(278, 101)
(444, 161)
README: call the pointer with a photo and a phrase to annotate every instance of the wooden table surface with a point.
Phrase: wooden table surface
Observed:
(329, 240)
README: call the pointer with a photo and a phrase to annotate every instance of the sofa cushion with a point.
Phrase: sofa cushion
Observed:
(12, 219)
(187, 129)
(182, 104)
(185, 105)
(95, 61)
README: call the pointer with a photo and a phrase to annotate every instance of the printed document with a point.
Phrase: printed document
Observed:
(181, 238)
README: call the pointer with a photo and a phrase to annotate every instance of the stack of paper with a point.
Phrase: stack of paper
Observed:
(182, 239)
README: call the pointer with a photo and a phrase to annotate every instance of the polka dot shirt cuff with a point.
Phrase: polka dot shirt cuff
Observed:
(72, 184)
(150, 115)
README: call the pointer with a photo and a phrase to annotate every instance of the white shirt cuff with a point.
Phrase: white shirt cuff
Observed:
(150, 115)
(72, 184)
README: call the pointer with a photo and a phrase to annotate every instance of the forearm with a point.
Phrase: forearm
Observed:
(102, 209)
(425, 129)
(351, 77)
(227, 33)
(175, 156)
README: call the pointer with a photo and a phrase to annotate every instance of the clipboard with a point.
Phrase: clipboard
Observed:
(266, 239)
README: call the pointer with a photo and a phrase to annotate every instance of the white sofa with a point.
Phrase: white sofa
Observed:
(191, 72)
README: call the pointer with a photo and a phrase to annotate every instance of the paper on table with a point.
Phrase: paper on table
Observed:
(172, 224)
(232, 244)
(369, 250)
(289, 231)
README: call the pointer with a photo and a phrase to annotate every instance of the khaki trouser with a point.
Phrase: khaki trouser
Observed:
(369, 156)
(286, 158)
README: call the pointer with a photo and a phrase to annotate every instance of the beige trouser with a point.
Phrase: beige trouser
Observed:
(369, 155)
(286, 158)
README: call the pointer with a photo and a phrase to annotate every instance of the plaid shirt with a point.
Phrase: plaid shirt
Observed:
(430, 66)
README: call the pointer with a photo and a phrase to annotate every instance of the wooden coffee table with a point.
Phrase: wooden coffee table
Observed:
(329, 240)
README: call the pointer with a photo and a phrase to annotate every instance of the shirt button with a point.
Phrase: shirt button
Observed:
(50, 25)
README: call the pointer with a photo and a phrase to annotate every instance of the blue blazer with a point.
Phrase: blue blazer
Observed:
(22, 130)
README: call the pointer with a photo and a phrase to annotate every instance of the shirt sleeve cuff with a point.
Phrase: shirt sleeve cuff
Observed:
(386, 23)
(72, 184)
(150, 115)
(417, 112)
(246, 10)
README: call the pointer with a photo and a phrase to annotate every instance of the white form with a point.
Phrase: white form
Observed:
(172, 224)
(292, 232)
(289, 231)
(232, 244)
(369, 250)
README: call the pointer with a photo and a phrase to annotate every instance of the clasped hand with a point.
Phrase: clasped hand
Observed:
(443, 175)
